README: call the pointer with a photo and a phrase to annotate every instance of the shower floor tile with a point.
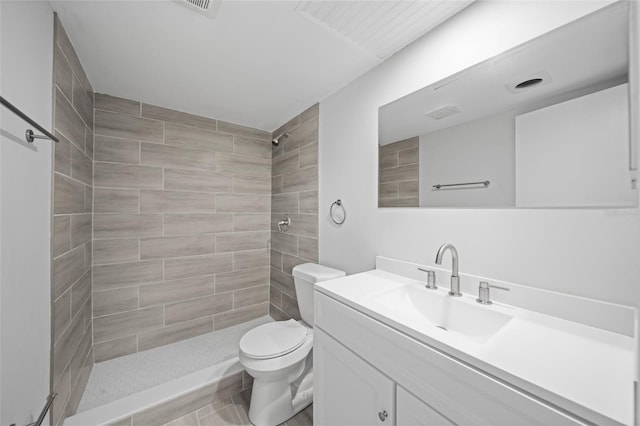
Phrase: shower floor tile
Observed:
(120, 377)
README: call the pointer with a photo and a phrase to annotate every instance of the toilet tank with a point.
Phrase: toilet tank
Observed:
(304, 277)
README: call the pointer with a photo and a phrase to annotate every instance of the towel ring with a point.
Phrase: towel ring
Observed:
(335, 206)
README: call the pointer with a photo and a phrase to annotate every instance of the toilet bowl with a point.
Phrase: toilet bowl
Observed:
(279, 355)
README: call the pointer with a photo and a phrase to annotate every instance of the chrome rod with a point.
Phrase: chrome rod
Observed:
(484, 183)
(29, 134)
(44, 411)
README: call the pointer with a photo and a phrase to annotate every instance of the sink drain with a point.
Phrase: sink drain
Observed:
(439, 326)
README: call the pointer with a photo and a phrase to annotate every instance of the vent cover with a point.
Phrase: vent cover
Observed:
(443, 112)
(208, 8)
(520, 85)
(380, 28)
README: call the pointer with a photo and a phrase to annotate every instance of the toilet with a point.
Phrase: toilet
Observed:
(279, 355)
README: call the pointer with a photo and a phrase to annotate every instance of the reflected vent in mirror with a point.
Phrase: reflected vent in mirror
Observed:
(528, 82)
(443, 112)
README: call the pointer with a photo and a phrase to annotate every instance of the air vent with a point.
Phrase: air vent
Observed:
(529, 82)
(208, 8)
(443, 112)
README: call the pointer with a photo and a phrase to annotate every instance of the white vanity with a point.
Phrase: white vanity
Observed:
(388, 351)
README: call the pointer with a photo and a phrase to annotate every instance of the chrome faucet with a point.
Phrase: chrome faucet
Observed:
(455, 279)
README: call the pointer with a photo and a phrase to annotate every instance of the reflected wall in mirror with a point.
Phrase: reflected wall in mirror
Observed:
(545, 124)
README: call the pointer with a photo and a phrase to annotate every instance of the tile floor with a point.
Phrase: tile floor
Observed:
(234, 411)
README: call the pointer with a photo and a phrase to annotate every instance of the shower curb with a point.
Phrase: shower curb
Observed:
(168, 401)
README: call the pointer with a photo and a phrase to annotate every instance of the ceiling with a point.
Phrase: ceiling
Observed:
(258, 63)
(583, 56)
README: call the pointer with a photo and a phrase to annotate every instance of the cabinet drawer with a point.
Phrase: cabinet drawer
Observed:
(461, 393)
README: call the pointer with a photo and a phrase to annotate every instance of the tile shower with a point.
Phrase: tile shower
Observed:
(399, 175)
(181, 226)
(164, 225)
(294, 194)
(72, 357)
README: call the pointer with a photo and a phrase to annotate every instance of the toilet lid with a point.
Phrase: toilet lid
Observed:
(273, 339)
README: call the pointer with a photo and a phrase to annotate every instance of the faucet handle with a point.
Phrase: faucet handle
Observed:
(484, 296)
(431, 278)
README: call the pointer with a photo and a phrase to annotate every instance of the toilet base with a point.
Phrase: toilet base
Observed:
(274, 402)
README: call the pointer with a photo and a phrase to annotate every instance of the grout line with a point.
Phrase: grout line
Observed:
(125, 114)
(71, 178)
(235, 406)
(119, 138)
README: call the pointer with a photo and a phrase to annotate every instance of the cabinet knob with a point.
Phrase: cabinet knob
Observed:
(382, 415)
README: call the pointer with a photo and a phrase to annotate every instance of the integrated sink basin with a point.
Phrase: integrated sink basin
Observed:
(420, 308)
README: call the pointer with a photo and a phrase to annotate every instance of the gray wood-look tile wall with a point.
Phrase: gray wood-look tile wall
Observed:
(181, 226)
(398, 174)
(72, 357)
(294, 181)
(163, 224)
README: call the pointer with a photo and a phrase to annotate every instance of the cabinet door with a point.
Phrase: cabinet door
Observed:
(347, 390)
(414, 412)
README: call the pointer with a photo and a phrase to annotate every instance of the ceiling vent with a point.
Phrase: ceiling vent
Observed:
(208, 8)
(380, 28)
(529, 82)
(443, 112)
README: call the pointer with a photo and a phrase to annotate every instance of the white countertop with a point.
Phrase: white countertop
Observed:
(577, 367)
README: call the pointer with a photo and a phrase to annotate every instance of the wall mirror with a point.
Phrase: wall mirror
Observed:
(543, 125)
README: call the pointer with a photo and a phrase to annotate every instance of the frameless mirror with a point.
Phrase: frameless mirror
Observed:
(545, 124)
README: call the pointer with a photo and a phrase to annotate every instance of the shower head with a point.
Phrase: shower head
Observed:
(276, 141)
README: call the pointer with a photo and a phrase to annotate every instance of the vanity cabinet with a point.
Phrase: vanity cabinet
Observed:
(348, 389)
(364, 367)
(414, 412)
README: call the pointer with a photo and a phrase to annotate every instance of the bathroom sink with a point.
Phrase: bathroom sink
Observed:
(423, 309)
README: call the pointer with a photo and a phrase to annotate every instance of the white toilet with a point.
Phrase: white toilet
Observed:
(279, 358)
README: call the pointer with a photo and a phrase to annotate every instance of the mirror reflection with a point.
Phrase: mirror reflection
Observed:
(545, 124)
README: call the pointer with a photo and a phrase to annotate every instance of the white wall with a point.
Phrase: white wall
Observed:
(591, 253)
(634, 82)
(26, 57)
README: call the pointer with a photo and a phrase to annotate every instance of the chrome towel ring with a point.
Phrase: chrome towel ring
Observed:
(334, 212)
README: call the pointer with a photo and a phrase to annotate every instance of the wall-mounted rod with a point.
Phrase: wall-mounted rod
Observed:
(442, 186)
(29, 136)
(44, 411)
